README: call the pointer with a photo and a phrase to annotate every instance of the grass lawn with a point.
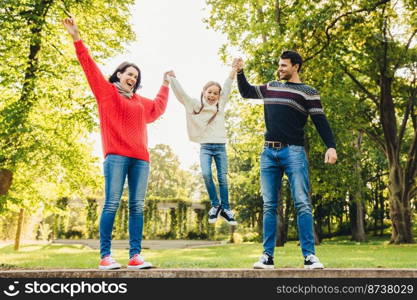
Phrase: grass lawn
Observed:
(334, 254)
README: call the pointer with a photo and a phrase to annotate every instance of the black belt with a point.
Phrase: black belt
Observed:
(275, 145)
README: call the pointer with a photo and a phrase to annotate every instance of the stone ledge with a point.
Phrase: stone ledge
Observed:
(211, 273)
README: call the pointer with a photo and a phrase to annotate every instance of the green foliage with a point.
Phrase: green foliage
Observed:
(92, 218)
(176, 218)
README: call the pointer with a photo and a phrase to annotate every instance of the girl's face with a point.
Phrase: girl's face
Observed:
(212, 94)
(128, 78)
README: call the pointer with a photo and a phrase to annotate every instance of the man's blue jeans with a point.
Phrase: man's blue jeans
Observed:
(116, 168)
(208, 152)
(293, 161)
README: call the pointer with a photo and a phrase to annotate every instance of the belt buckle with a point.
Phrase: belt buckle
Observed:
(279, 147)
(274, 145)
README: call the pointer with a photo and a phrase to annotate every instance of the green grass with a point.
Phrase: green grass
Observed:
(333, 253)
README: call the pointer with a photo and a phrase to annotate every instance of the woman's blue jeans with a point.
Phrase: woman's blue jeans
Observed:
(116, 169)
(208, 152)
(293, 161)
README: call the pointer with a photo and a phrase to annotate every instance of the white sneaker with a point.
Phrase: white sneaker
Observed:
(265, 262)
(213, 214)
(227, 214)
(312, 262)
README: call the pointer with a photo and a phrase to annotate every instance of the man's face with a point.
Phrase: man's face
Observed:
(285, 69)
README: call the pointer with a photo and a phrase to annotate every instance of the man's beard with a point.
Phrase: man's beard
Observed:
(285, 77)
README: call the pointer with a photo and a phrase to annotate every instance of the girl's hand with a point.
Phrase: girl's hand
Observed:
(71, 27)
(170, 73)
(166, 74)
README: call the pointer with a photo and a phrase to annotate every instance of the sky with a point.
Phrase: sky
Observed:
(172, 36)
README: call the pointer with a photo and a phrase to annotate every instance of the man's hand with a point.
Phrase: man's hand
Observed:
(237, 64)
(331, 156)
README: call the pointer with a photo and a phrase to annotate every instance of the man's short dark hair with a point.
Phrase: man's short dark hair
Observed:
(294, 57)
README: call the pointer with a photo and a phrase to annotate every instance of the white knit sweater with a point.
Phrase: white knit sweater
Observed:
(198, 129)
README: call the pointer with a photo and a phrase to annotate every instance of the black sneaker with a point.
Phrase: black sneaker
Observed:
(312, 262)
(265, 262)
(227, 214)
(213, 214)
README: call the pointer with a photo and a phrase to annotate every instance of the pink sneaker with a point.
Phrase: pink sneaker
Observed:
(138, 262)
(108, 263)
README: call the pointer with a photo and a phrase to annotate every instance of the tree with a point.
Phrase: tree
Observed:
(166, 179)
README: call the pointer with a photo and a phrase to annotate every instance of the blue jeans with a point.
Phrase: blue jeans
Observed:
(208, 152)
(293, 161)
(116, 168)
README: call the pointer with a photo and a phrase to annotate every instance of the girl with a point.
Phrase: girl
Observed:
(206, 126)
(123, 117)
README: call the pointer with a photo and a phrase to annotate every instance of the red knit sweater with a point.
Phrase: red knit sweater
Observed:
(122, 120)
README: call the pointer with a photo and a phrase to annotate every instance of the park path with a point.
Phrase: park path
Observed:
(146, 244)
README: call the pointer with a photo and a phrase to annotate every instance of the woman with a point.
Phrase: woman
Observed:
(123, 117)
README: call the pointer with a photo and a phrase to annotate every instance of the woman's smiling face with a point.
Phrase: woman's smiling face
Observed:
(128, 78)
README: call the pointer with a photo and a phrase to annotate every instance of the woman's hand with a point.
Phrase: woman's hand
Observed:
(71, 27)
(166, 74)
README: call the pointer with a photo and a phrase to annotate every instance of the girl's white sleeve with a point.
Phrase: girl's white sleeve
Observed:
(180, 94)
(226, 89)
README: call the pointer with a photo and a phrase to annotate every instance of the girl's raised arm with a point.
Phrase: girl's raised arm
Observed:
(227, 86)
(180, 94)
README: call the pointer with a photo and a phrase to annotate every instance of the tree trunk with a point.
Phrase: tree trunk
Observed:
(318, 224)
(375, 212)
(398, 184)
(232, 234)
(6, 178)
(381, 199)
(356, 195)
(317, 239)
(399, 209)
(19, 230)
(357, 221)
(329, 226)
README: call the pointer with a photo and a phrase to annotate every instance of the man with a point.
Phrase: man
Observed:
(286, 108)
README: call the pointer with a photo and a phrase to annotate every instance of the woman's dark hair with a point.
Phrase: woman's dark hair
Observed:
(122, 68)
(294, 57)
(207, 85)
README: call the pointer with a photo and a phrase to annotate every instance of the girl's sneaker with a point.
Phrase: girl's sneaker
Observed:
(227, 214)
(108, 263)
(138, 262)
(213, 214)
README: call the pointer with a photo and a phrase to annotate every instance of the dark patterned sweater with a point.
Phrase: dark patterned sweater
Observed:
(286, 108)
